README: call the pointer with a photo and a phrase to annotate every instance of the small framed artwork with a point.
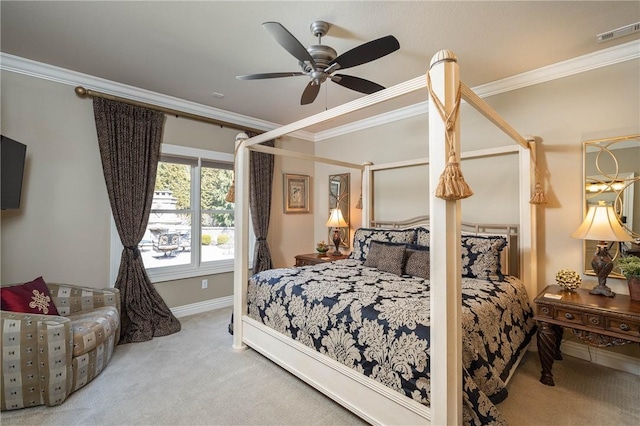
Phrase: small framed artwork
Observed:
(296, 193)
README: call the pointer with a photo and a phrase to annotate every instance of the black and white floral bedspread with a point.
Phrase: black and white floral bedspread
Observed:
(378, 323)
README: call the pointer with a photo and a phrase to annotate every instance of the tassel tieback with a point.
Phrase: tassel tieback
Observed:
(231, 195)
(538, 196)
(451, 185)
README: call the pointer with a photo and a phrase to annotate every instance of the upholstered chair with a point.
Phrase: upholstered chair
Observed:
(47, 357)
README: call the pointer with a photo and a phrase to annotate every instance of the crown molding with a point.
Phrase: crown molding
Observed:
(602, 58)
(67, 77)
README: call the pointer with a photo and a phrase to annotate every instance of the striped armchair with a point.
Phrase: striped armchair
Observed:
(45, 358)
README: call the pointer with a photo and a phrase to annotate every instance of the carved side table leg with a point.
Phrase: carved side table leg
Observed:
(547, 349)
(558, 332)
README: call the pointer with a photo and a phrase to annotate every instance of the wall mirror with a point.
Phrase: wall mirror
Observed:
(339, 197)
(612, 174)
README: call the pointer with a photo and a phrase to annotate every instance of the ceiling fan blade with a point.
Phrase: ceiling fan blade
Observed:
(269, 75)
(356, 83)
(310, 93)
(367, 52)
(288, 41)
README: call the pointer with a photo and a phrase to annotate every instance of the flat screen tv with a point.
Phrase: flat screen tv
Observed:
(12, 157)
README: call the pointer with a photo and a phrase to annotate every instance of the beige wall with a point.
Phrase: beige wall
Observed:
(62, 230)
(290, 234)
(563, 113)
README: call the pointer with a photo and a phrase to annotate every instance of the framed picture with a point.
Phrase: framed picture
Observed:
(296, 193)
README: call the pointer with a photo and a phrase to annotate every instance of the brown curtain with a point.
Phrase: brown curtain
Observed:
(260, 188)
(129, 139)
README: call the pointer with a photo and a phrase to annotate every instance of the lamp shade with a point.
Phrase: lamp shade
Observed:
(601, 224)
(336, 220)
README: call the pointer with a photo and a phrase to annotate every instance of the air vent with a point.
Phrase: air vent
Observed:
(618, 32)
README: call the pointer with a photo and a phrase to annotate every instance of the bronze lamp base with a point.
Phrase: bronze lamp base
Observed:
(602, 265)
(336, 241)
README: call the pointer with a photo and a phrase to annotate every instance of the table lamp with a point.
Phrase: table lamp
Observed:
(336, 221)
(601, 224)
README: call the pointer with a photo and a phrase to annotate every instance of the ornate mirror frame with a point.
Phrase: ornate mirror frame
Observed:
(339, 197)
(612, 173)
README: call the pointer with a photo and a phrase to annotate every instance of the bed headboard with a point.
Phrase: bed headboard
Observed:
(510, 257)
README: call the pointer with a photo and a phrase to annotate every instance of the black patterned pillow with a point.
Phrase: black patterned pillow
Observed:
(481, 256)
(387, 257)
(416, 263)
(363, 237)
(422, 236)
(377, 250)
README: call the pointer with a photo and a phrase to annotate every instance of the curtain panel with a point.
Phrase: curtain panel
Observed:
(260, 190)
(129, 139)
(261, 167)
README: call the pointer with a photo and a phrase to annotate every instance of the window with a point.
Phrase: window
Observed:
(190, 228)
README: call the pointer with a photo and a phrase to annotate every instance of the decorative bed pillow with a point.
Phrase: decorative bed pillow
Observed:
(481, 256)
(387, 257)
(384, 252)
(422, 236)
(363, 237)
(416, 263)
(30, 298)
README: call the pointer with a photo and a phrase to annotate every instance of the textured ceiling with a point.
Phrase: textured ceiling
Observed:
(191, 49)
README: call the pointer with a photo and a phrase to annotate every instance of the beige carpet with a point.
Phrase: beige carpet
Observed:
(194, 378)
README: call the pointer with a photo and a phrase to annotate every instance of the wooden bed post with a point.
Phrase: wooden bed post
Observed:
(241, 239)
(367, 192)
(528, 221)
(446, 268)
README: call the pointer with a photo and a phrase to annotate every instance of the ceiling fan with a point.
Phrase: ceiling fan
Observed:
(320, 61)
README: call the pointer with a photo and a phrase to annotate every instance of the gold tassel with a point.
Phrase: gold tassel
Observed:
(231, 195)
(452, 185)
(538, 196)
(359, 203)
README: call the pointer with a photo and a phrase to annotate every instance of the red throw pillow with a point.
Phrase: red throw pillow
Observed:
(30, 298)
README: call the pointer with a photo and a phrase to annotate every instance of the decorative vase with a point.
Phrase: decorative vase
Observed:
(567, 279)
(634, 287)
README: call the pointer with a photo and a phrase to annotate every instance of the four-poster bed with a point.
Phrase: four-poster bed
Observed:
(368, 398)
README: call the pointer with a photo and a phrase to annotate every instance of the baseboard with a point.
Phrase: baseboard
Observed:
(601, 356)
(200, 307)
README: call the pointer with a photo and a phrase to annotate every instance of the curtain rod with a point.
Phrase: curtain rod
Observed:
(83, 93)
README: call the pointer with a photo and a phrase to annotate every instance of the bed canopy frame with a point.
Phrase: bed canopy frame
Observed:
(371, 400)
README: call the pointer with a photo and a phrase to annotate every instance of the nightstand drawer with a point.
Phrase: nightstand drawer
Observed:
(545, 311)
(568, 315)
(596, 321)
(315, 258)
(624, 327)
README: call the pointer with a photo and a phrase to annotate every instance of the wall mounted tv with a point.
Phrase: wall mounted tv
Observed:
(12, 157)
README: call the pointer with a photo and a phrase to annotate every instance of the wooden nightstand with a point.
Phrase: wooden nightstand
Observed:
(597, 320)
(314, 258)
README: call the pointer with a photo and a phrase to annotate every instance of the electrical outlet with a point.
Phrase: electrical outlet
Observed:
(205, 284)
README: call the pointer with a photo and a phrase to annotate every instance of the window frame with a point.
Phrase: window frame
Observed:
(196, 267)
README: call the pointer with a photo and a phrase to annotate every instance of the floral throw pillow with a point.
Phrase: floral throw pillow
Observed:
(481, 256)
(29, 298)
(422, 236)
(363, 237)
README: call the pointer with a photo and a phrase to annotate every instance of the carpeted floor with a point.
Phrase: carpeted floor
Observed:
(194, 378)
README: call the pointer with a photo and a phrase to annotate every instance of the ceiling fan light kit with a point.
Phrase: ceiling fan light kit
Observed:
(320, 61)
